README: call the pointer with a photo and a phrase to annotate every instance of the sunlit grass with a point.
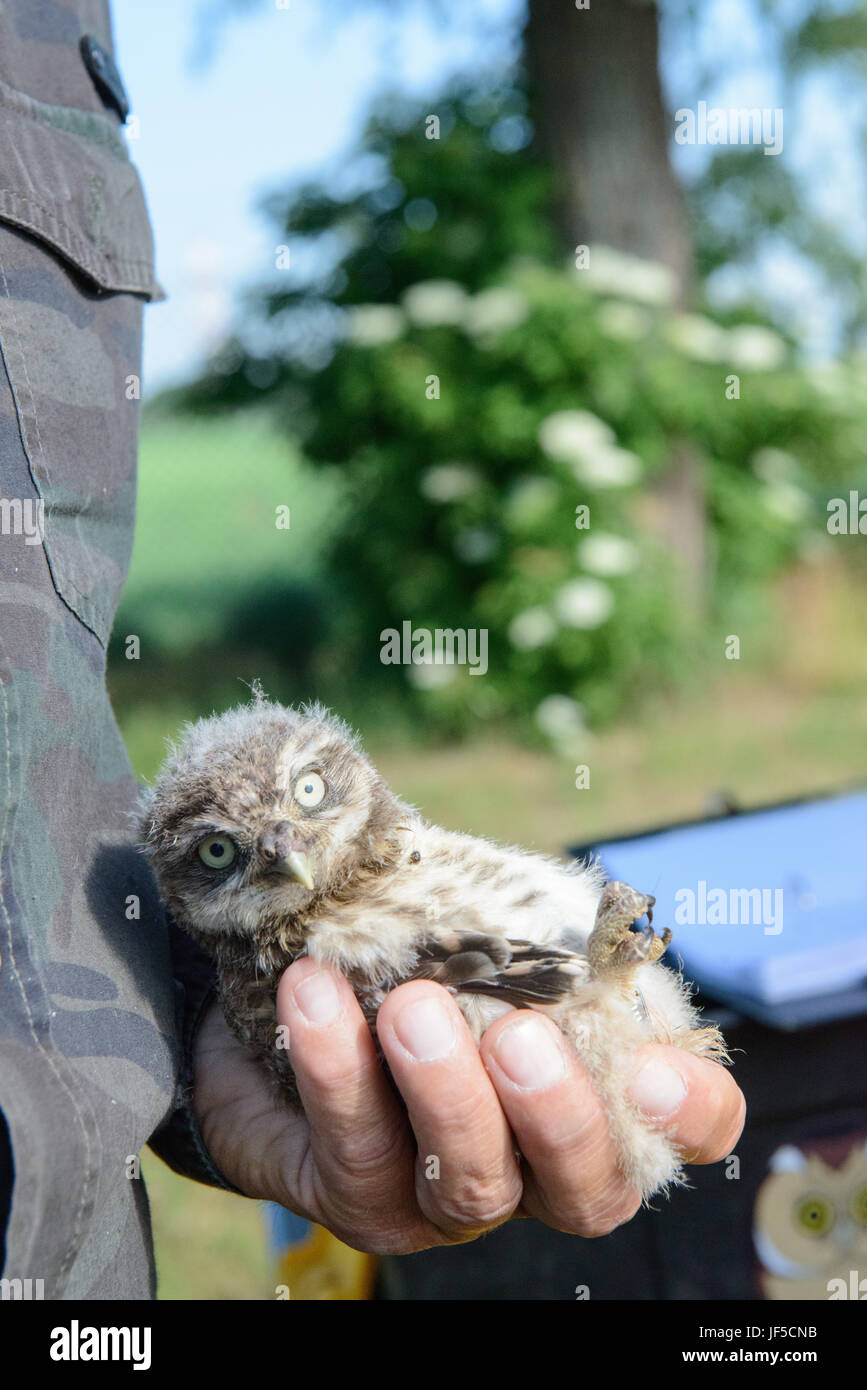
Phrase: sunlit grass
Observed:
(209, 1244)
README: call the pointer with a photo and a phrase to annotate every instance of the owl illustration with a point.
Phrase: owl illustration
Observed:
(273, 836)
(810, 1221)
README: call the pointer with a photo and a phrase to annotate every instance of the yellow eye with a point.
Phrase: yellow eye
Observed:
(815, 1215)
(309, 789)
(859, 1206)
(217, 851)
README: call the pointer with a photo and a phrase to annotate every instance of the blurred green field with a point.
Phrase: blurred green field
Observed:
(788, 719)
(217, 533)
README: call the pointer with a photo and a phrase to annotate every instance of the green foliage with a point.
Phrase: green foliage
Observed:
(473, 391)
(830, 33)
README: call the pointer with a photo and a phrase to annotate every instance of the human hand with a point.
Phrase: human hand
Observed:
(356, 1162)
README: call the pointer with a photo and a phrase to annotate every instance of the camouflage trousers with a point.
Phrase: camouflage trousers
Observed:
(89, 1042)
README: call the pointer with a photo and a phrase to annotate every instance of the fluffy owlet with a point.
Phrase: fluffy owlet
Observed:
(272, 836)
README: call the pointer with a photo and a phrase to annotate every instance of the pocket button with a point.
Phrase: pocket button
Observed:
(106, 78)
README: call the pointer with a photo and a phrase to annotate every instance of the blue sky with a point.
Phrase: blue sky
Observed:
(284, 93)
(287, 89)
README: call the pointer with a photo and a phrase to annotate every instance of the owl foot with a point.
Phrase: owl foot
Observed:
(614, 949)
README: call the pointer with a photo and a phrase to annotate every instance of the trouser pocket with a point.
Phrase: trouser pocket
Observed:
(72, 356)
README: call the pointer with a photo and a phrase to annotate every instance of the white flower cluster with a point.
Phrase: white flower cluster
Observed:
(449, 482)
(431, 675)
(588, 445)
(755, 348)
(613, 272)
(533, 628)
(781, 495)
(561, 719)
(495, 311)
(786, 502)
(370, 325)
(579, 603)
(604, 554)
(774, 465)
(486, 315)
(435, 303)
(748, 347)
(697, 337)
(440, 303)
(584, 603)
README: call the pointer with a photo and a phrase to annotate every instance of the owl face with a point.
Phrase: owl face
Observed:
(259, 812)
(810, 1221)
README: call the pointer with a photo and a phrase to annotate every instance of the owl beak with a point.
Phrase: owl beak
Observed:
(296, 865)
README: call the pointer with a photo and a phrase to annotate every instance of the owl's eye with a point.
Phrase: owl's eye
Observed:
(217, 851)
(815, 1215)
(859, 1206)
(309, 789)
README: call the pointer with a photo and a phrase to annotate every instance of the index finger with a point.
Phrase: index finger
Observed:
(467, 1177)
(573, 1181)
(362, 1175)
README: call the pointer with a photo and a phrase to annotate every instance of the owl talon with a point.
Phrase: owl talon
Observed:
(614, 947)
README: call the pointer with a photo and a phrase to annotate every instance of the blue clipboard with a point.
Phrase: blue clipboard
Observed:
(768, 907)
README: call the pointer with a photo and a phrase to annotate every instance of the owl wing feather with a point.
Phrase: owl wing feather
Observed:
(522, 973)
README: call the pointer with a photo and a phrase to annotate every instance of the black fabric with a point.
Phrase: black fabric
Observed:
(7, 1180)
(179, 1142)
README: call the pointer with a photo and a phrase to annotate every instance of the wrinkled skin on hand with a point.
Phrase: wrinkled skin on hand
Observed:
(355, 1161)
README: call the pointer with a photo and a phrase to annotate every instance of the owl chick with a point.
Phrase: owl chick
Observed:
(272, 836)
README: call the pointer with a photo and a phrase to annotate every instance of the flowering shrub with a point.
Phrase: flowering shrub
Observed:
(502, 426)
(500, 449)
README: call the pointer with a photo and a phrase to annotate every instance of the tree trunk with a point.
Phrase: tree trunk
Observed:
(602, 125)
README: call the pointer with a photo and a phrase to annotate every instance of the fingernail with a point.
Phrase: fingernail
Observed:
(529, 1055)
(658, 1090)
(317, 998)
(426, 1030)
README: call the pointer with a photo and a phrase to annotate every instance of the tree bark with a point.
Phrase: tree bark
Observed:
(601, 123)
